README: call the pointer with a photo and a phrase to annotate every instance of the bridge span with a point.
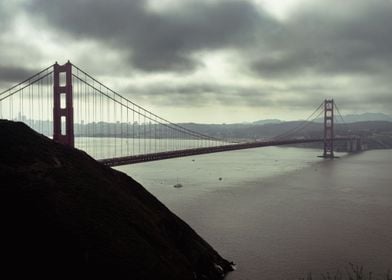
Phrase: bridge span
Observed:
(63, 101)
(208, 150)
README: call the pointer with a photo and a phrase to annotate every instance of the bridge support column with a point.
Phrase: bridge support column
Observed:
(328, 128)
(355, 144)
(359, 144)
(349, 146)
(63, 125)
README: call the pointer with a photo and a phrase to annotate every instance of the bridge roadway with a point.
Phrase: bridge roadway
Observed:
(206, 150)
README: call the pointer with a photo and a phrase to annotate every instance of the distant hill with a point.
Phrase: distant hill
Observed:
(365, 117)
(267, 121)
(351, 118)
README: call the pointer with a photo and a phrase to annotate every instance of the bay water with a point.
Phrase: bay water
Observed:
(281, 213)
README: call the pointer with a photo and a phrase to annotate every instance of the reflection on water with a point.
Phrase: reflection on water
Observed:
(282, 212)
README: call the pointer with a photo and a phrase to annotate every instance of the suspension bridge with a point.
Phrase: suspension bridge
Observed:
(68, 104)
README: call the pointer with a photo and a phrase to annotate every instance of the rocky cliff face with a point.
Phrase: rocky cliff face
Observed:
(63, 213)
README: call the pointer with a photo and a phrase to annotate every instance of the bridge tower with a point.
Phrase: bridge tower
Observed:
(63, 125)
(328, 128)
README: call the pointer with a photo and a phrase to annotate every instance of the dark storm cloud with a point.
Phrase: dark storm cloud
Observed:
(209, 93)
(320, 40)
(332, 39)
(202, 94)
(13, 74)
(328, 38)
(11, 52)
(157, 41)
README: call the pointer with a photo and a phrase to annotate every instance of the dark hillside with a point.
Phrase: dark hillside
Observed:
(63, 211)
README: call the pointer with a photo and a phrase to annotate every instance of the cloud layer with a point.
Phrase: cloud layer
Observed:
(165, 54)
(155, 41)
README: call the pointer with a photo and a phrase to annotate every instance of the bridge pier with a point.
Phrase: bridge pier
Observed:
(349, 147)
(63, 124)
(355, 145)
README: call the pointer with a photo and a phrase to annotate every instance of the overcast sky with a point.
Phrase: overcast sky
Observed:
(211, 61)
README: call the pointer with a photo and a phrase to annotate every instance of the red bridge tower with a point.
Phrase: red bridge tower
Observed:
(328, 128)
(63, 126)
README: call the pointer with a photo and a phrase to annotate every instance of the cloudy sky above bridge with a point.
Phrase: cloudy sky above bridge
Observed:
(212, 60)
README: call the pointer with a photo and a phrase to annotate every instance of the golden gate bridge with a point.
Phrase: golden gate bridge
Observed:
(68, 104)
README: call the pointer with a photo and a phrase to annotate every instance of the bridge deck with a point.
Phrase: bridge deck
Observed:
(207, 150)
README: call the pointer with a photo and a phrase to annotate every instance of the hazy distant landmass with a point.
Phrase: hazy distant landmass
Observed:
(365, 117)
(376, 128)
(378, 134)
(267, 121)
